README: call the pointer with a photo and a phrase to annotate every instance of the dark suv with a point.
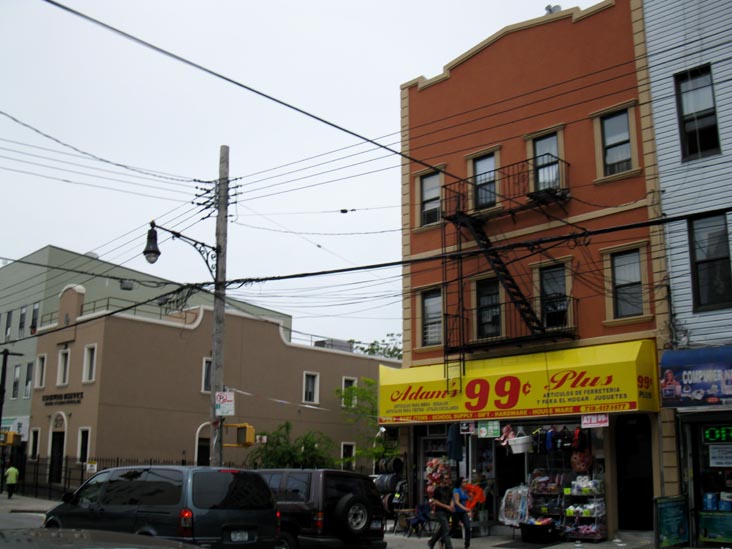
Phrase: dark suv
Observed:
(326, 508)
(209, 506)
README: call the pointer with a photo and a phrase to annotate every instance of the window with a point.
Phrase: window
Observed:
(348, 456)
(710, 263)
(83, 445)
(35, 436)
(62, 375)
(430, 185)
(627, 284)
(432, 318)
(21, 321)
(297, 487)
(88, 495)
(489, 308)
(553, 290)
(28, 380)
(349, 397)
(90, 363)
(616, 143)
(40, 371)
(8, 324)
(206, 376)
(311, 388)
(546, 162)
(34, 317)
(697, 113)
(16, 382)
(485, 181)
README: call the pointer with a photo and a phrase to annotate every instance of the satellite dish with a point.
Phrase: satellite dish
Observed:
(553, 9)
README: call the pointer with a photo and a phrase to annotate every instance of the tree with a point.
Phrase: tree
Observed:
(390, 347)
(311, 450)
(360, 407)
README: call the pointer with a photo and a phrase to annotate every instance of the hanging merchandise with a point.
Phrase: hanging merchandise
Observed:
(514, 506)
(521, 443)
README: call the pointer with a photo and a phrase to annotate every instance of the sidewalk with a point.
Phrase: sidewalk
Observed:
(24, 504)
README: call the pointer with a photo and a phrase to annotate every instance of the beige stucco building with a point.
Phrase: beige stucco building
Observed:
(135, 385)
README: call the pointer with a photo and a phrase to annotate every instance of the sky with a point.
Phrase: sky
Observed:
(99, 135)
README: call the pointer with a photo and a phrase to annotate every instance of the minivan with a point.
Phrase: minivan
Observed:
(327, 508)
(212, 507)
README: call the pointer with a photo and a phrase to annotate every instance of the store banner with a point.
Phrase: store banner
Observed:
(696, 377)
(618, 377)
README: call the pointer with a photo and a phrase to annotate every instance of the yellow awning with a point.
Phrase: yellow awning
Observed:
(617, 377)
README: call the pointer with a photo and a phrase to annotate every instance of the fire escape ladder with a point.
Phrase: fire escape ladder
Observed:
(516, 296)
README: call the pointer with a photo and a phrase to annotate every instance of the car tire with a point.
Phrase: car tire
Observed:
(353, 514)
(286, 541)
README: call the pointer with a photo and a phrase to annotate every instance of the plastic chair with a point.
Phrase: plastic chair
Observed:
(421, 521)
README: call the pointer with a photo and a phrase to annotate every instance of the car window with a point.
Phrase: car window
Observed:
(88, 494)
(297, 487)
(338, 486)
(125, 487)
(230, 490)
(162, 487)
(274, 480)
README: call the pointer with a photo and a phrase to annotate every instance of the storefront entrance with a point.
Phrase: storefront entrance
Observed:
(634, 464)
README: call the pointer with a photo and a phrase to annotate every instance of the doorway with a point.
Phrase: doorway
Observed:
(634, 460)
(55, 469)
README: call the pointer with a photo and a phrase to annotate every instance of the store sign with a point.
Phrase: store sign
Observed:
(592, 380)
(591, 421)
(717, 433)
(489, 429)
(720, 455)
(467, 428)
(696, 377)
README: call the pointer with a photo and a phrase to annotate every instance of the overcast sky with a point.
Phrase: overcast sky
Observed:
(111, 98)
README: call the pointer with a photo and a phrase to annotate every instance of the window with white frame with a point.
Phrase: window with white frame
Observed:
(21, 321)
(430, 188)
(546, 162)
(627, 284)
(8, 324)
(348, 456)
(28, 380)
(553, 289)
(90, 363)
(62, 374)
(432, 317)
(35, 436)
(697, 113)
(484, 168)
(711, 275)
(349, 397)
(206, 376)
(311, 388)
(83, 450)
(15, 391)
(40, 372)
(489, 308)
(616, 143)
(35, 311)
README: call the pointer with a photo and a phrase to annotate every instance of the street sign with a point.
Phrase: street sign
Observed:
(224, 403)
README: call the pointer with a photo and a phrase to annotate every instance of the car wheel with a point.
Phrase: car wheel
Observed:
(286, 541)
(52, 524)
(353, 514)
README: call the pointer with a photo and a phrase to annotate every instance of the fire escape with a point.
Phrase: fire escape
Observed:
(539, 184)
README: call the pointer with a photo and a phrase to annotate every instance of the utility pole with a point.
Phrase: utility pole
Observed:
(219, 312)
(6, 354)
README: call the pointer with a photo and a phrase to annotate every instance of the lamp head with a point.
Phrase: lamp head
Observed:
(151, 251)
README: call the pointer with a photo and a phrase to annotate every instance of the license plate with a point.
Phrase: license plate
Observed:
(376, 524)
(240, 535)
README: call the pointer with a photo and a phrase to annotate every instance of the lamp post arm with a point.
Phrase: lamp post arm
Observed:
(210, 254)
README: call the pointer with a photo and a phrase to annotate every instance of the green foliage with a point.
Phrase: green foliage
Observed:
(360, 409)
(390, 347)
(311, 450)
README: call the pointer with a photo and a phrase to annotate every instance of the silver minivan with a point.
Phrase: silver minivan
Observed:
(213, 507)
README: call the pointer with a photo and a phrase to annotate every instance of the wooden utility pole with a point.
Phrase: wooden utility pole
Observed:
(219, 312)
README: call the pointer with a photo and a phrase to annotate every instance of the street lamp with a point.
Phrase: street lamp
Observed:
(215, 258)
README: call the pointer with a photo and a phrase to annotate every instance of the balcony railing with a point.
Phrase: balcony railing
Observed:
(540, 180)
(501, 324)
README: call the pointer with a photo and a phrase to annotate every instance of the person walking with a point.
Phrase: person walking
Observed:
(443, 502)
(461, 513)
(11, 479)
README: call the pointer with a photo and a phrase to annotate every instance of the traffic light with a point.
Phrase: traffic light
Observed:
(245, 435)
(9, 438)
